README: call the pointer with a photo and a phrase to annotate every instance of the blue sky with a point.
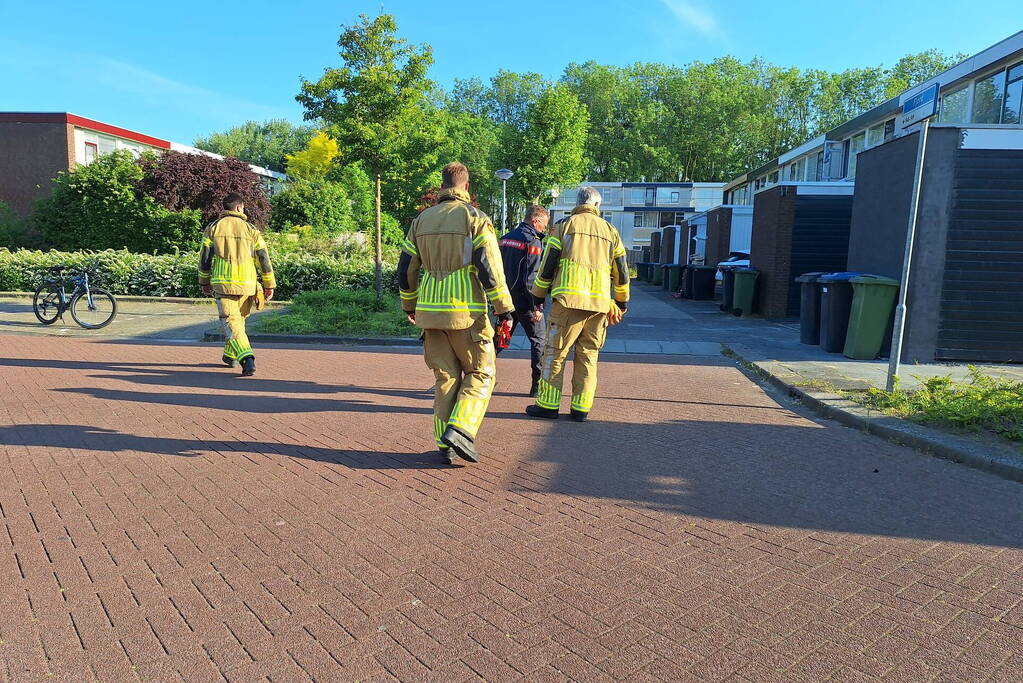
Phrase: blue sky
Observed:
(184, 69)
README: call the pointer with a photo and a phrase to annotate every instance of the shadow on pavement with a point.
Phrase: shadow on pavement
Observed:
(84, 437)
(805, 475)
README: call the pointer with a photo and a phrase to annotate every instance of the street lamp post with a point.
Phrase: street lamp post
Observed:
(504, 174)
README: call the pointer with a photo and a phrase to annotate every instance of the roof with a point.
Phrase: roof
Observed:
(82, 122)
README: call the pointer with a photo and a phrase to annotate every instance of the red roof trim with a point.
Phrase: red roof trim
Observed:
(83, 122)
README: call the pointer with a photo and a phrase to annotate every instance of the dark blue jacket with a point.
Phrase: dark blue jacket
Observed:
(521, 250)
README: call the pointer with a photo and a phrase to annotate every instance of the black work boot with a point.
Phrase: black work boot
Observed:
(228, 361)
(462, 445)
(536, 411)
(446, 456)
(248, 366)
(579, 416)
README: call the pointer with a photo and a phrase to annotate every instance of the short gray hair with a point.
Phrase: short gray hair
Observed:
(587, 195)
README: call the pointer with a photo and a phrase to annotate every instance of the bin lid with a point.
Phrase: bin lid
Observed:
(838, 277)
(875, 280)
(746, 269)
(809, 277)
(699, 267)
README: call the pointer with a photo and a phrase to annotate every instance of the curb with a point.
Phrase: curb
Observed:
(214, 335)
(1002, 461)
(149, 299)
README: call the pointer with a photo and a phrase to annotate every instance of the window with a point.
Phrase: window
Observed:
(650, 197)
(1012, 111)
(856, 145)
(953, 106)
(644, 219)
(636, 195)
(889, 129)
(773, 178)
(674, 197)
(988, 95)
(875, 136)
(810, 169)
(91, 152)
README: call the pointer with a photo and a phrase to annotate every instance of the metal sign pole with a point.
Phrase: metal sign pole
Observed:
(899, 330)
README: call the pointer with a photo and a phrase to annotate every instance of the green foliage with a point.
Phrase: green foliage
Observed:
(983, 403)
(549, 149)
(357, 183)
(15, 231)
(375, 105)
(342, 312)
(124, 272)
(101, 206)
(264, 144)
(325, 206)
(315, 160)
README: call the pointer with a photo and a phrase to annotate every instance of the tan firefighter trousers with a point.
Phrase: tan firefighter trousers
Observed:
(233, 310)
(568, 329)
(463, 364)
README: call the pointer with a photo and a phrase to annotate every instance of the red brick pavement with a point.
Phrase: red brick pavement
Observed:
(164, 519)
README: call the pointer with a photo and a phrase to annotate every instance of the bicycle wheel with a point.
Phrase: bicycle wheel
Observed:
(97, 313)
(46, 303)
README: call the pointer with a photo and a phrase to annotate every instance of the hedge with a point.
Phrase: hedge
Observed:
(174, 275)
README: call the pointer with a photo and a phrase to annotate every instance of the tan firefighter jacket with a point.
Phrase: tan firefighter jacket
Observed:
(584, 264)
(455, 247)
(231, 246)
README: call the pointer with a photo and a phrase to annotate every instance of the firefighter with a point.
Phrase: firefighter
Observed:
(232, 250)
(455, 246)
(584, 269)
(521, 250)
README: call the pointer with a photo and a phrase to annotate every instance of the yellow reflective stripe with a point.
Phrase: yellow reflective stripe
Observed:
(453, 293)
(497, 292)
(623, 289)
(479, 239)
(407, 296)
(547, 395)
(204, 273)
(620, 251)
(540, 282)
(410, 248)
(477, 308)
(207, 242)
(553, 243)
(583, 402)
(468, 415)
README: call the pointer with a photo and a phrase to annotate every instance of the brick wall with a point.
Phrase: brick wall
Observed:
(771, 248)
(33, 153)
(655, 247)
(719, 235)
(668, 245)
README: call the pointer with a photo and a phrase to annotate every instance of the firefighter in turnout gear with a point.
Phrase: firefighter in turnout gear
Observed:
(521, 250)
(584, 268)
(455, 247)
(232, 250)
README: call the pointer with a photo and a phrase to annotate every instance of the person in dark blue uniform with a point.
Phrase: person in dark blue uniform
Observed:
(521, 250)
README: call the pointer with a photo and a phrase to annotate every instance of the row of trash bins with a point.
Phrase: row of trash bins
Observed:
(847, 313)
(694, 281)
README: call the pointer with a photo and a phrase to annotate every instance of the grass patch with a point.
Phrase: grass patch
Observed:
(980, 404)
(340, 312)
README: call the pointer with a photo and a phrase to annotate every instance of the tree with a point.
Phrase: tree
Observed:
(181, 181)
(263, 144)
(912, 70)
(316, 160)
(325, 206)
(102, 206)
(550, 149)
(359, 187)
(375, 106)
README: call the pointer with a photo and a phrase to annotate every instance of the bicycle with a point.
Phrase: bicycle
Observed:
(91, 307)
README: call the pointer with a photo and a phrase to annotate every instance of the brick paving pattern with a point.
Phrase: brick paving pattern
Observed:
(163, 519)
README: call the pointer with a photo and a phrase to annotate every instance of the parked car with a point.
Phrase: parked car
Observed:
(736, 259)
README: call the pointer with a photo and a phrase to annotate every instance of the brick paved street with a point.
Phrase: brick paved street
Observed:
(163, 519)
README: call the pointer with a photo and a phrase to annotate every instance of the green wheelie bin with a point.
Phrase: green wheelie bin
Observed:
(673, 277)
(657, 272)
(745, 289)
(870, 317)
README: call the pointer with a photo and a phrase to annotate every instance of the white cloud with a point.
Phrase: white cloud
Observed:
(695, 15)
